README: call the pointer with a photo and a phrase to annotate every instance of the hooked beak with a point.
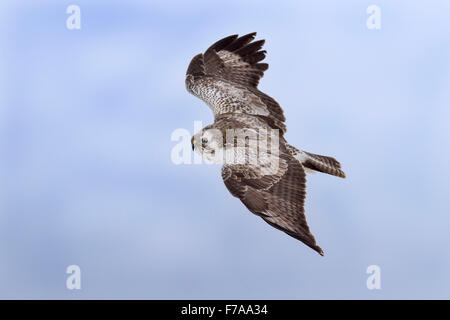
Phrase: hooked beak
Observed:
(193, 142)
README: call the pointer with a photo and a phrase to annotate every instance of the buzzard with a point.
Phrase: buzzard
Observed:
(270, 181)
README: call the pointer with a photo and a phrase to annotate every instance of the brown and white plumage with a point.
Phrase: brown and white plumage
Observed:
(226, 77)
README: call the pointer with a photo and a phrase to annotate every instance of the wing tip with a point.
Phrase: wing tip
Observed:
(319, 250)
(222, 43)
(242, 45)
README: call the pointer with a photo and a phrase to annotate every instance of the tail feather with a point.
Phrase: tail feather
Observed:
(323, 164)
(317, 162)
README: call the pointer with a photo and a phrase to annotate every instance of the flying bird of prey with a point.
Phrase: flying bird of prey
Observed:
(226, 77)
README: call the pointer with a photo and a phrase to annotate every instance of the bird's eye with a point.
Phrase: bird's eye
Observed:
(204, 140)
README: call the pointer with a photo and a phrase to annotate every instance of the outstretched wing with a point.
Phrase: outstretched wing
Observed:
(277, 198)
(226, 77)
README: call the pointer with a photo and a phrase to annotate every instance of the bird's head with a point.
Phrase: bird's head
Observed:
(209, 144)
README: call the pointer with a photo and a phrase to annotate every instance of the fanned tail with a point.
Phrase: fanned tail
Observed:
(323, 164)
(317, 162)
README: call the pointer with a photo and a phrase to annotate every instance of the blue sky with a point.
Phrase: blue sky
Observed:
(87, 178)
